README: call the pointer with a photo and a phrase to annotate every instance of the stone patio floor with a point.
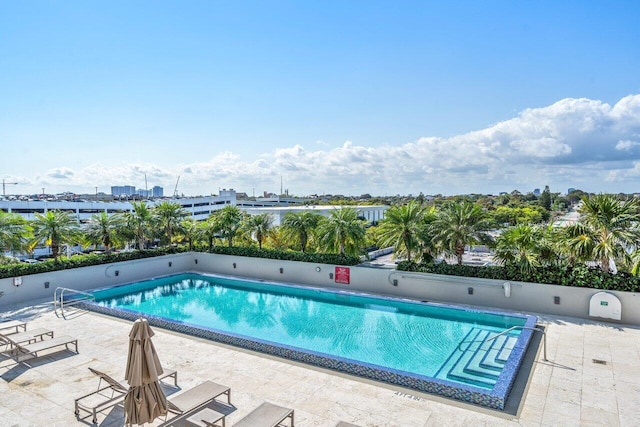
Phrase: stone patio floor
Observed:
(571, 389)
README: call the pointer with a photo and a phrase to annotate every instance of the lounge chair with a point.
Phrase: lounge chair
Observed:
(31, 350)
(110, 394)
(196, 397)
(27, 336)
(266, 415)
(13, 324)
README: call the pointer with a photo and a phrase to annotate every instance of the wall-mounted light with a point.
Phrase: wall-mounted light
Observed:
(281, 270)
(170, 263)
(46, 285)
(330, 275)
(318, 269)
(395, 282)
(234, 265)
(470, 291)
(556, 300)
(196, 261)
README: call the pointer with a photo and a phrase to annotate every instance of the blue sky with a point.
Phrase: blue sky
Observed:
(335, 97)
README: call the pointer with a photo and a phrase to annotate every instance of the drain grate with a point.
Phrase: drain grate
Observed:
(599, 362)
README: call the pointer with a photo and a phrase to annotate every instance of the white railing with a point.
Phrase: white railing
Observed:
(73, 296)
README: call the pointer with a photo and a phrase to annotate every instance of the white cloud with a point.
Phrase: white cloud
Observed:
(573, 143)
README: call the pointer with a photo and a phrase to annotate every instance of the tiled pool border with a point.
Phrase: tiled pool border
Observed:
(495, 398)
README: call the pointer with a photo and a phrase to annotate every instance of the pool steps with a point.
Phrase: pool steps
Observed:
(477, 361)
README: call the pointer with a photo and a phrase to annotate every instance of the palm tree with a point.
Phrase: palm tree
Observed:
(138, 222)
(342, 231)
(400, 228)
(189, 231)
(55, 228)
(276, 239)
(459, 224)
(258, 226)
(168, 216)
(427, 244)
(209, 229)
(528, 246)
(103, 229)
(300, 226)
(607, 228)
(13, 232)
(229, 220)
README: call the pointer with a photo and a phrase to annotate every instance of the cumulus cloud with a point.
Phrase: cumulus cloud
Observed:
(579, 143)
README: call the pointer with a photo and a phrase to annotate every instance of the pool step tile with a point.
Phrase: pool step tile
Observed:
(489, 360)
(459, 369)
(474, 365)
(477, 361)
(506, 350)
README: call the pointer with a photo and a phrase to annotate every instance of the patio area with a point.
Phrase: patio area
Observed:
(591, 379)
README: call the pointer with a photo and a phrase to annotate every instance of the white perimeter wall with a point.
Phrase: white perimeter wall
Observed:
(527, 297)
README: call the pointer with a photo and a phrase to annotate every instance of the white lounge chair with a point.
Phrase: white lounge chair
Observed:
(197, 396)
(28, 351)
(266, 415)
(109, 395)
(13, 324)
(7, 341)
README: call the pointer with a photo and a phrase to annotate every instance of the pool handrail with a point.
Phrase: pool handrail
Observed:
(58, 299)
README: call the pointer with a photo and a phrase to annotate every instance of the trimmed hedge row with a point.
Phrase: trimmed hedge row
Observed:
(579, 276)
(22, 269)
(286, 255)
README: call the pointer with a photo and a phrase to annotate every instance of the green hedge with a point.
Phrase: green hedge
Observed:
(287, 255)
(579, 276)
(23, 269)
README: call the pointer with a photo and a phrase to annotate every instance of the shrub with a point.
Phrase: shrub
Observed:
(23, 269)
(579, 276)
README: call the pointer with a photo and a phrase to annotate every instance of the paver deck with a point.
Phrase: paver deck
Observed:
(592, 379)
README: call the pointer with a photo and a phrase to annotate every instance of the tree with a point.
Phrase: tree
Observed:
(14, 232)
(258, 226)
(229, 220)
(189, 231)
(545, 198)
(168, 216)
(400, 228)
(459, 224)
(428, 246)
(103, 229)
(138, 223)
(342, 232)
(55, 228)
(300, 226)
(607, 228)
(520, 245)
(209, 229)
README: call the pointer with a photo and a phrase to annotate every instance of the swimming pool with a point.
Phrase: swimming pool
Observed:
(428, 347)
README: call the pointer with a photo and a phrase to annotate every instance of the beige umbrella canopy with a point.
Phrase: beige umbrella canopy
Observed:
(145, 400)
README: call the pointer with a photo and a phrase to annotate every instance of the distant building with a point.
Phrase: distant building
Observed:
(157, 191)
(123, 190)
(570, 190)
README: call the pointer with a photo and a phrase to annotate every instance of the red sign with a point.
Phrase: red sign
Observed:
(342, 275)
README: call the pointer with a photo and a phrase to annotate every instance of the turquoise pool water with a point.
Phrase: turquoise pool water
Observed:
(424, 339)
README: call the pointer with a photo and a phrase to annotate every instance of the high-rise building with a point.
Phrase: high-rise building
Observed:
(123, 190)
(157, 191)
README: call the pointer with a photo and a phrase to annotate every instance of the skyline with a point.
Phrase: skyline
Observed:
(340, 97)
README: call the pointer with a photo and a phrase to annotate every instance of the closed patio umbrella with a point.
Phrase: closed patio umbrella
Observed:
(145, 400)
